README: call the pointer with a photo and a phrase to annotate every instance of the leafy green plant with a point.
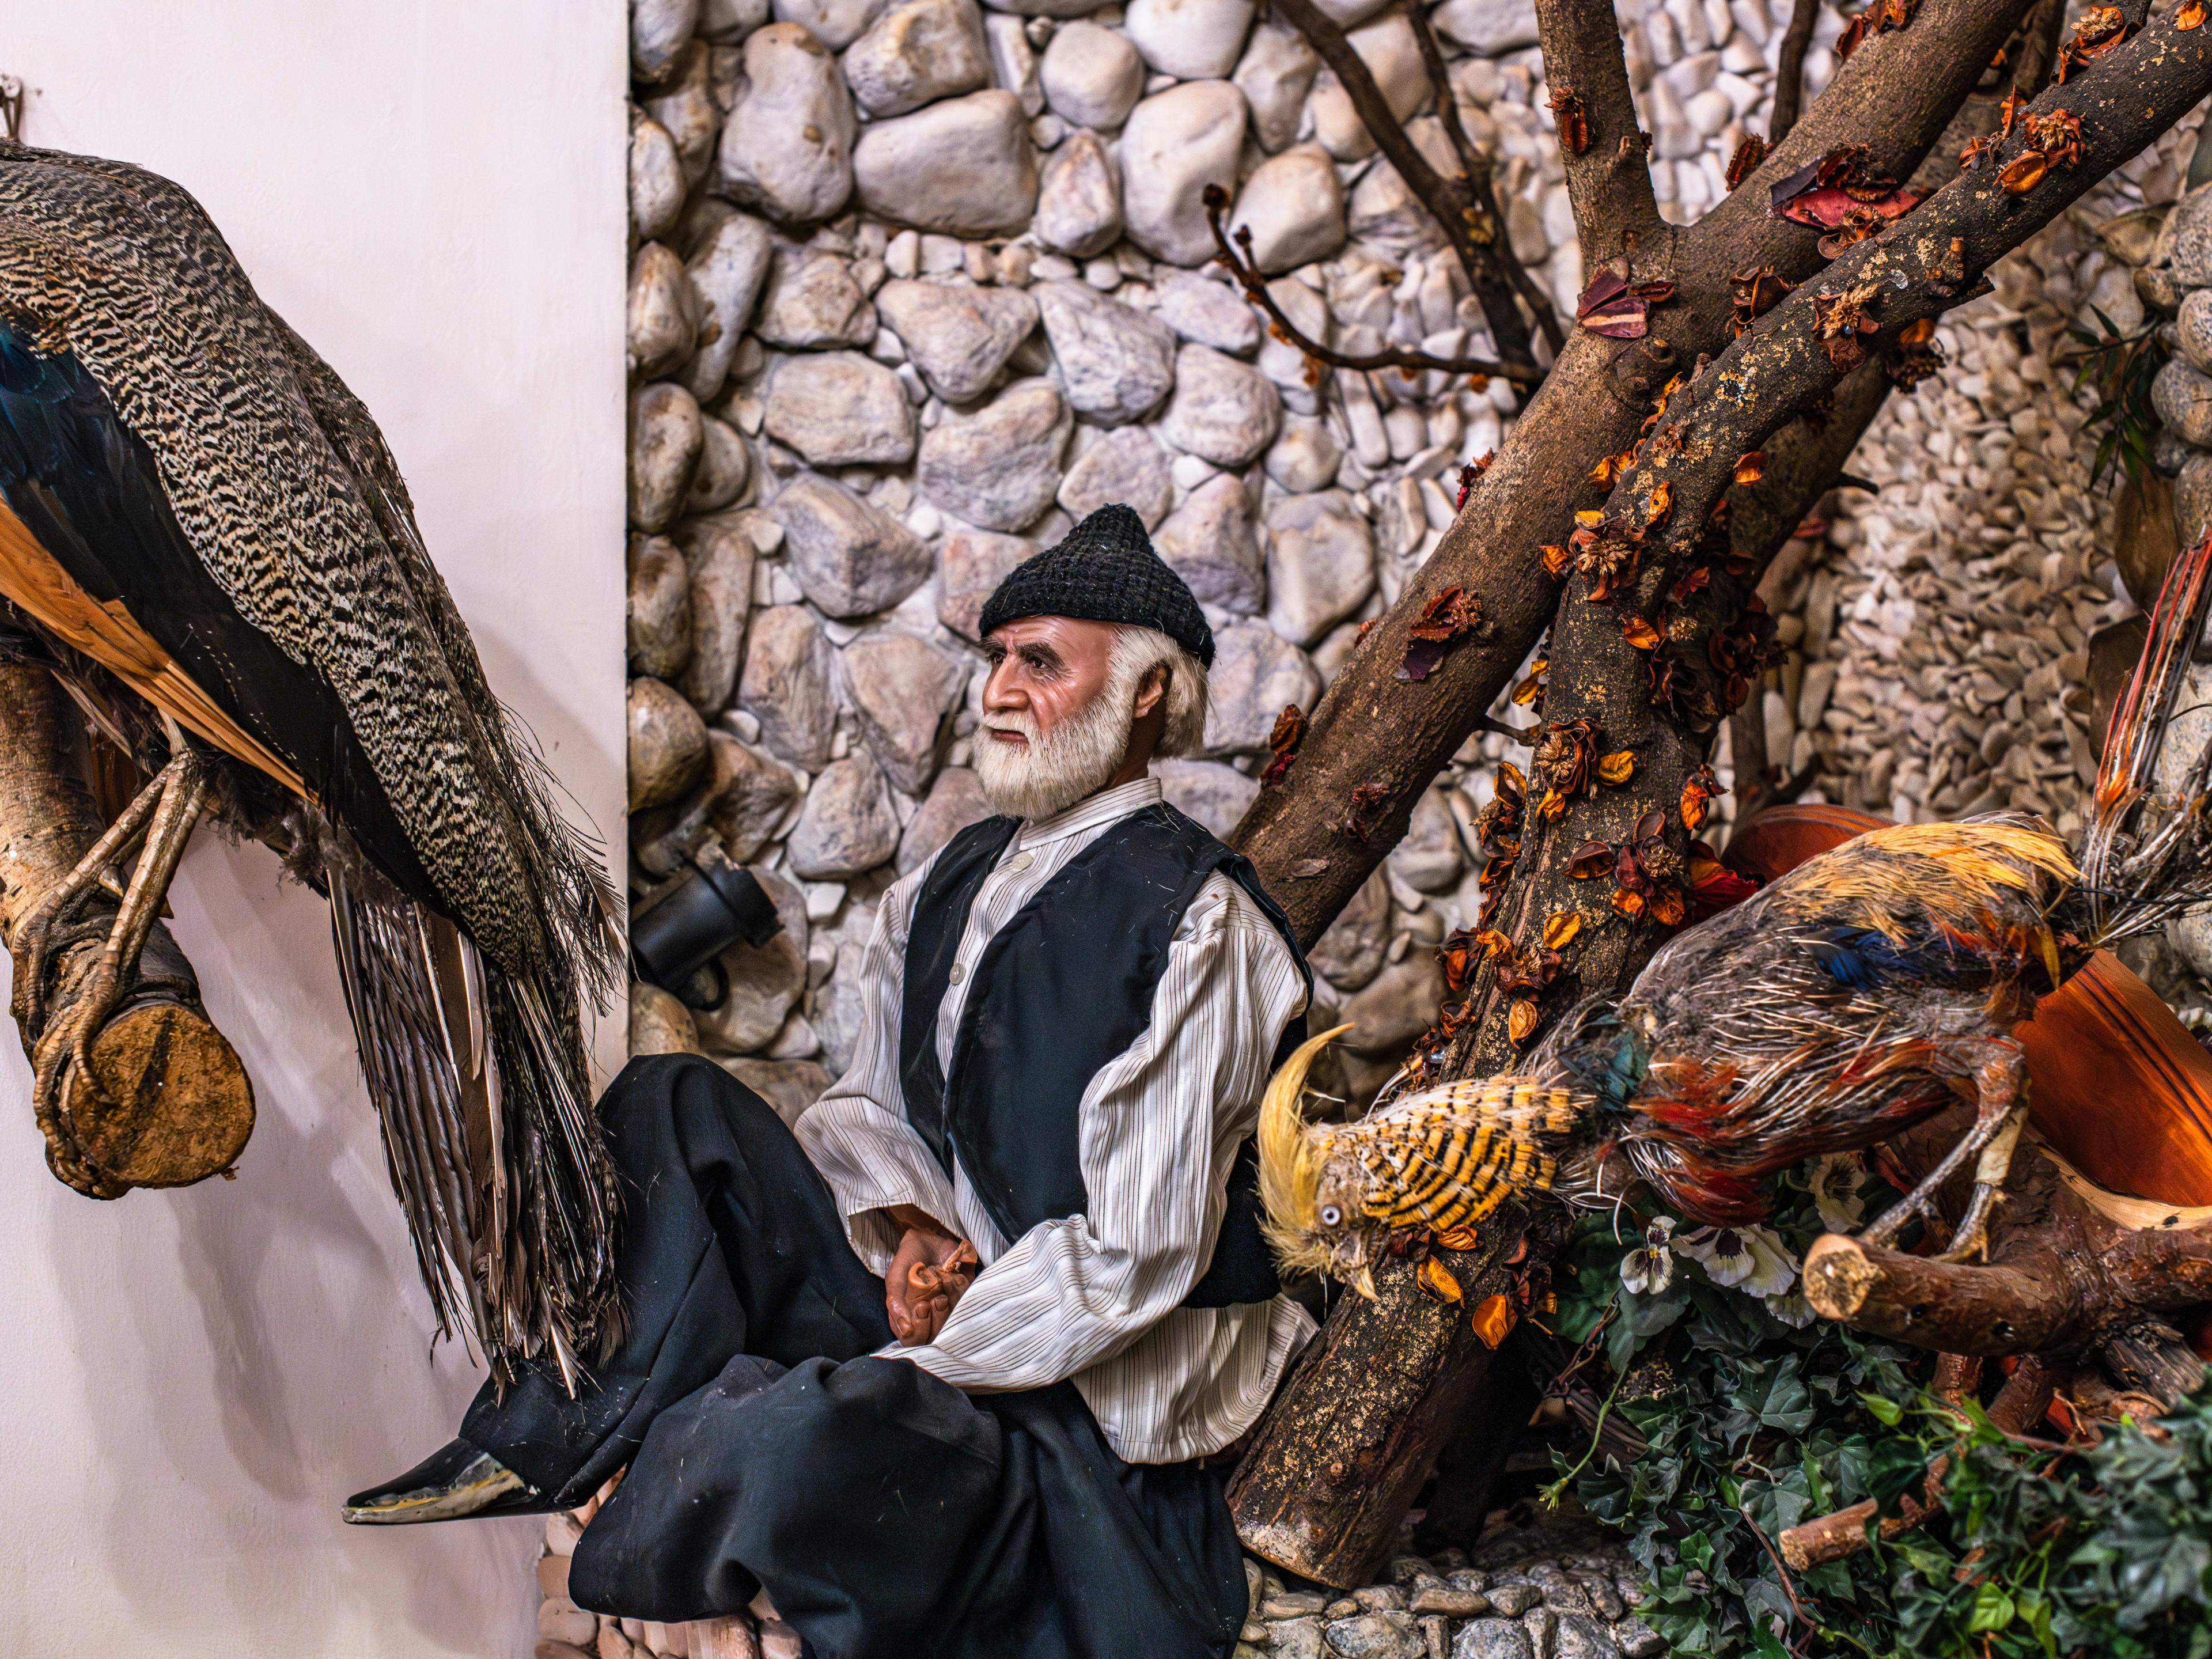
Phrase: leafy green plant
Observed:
(1753, 1423)
(2121, 368)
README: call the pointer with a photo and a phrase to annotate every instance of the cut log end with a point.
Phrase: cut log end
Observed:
(179, 1104)
(1838, 1278)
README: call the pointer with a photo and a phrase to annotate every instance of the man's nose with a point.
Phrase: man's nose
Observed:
(1003, 690)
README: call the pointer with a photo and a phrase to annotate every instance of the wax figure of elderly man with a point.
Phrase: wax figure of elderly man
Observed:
(1071, 1013)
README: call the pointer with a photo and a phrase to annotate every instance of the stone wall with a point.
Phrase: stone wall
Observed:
(917, 284)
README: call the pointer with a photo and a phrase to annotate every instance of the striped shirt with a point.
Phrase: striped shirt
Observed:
(1092, 1298)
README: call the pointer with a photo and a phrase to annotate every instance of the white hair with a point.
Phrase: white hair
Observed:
(1050, 775)
(1137, 652)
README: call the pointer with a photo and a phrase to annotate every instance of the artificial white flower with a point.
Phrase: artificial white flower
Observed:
(1649, 1269)
(1753, 1260)
(1793, 1310)
(1835, 1180)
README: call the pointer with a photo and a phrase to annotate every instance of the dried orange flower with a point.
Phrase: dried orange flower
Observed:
(1640, 633)
(2191, 16)
(1557, 560)
(1616, 767)
(2024, 173)
(1521, 1023)
(1435, 1281)
(1560, 930)
(1751, 467)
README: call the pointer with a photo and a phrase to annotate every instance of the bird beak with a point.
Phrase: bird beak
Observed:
(1365, 1284)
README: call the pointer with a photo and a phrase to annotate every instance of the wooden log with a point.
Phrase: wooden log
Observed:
(1356, 1424)
(179, 1105)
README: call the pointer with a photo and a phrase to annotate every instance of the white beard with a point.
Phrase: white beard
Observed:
(1050, 775)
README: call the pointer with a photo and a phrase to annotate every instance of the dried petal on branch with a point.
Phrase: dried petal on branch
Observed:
(1563, 754)
(1610, 306)
(1751, 467)
(2008, 112)
(1560, 928)
(1616, 767)
(2100, 30)
(2191, 16)
(1697, 793)
(1437, 1282)
(1640, 633)
(2058, 136)
(1610, 467)
(1497, 825)
(1365, 797)
(1745, 162)
(1446, 618)
(1877, 19)
(2024, 173)
(1592, 858)
(1521, 1022)
(1841, 319)
(1557, 560)
(1919, 355)
(1658, 504)
(1290, 731)
(1573, 120)
(1846, 192)
(1606, 554)
(1470, 474)
(1755, 292)
(1529, 693)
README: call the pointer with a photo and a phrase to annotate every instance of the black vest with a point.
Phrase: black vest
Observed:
(1064, 986)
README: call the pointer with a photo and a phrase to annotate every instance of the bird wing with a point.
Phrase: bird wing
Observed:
(115, 277)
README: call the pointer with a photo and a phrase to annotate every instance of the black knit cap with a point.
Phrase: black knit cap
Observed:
(1105, 571)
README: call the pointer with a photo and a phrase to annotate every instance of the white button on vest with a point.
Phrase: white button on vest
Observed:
(959, 973)
(1021, 861)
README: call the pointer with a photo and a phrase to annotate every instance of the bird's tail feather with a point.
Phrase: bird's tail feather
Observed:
(2147, 854)
(489, 1135)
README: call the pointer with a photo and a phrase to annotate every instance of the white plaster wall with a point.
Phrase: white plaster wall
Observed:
(433, 194)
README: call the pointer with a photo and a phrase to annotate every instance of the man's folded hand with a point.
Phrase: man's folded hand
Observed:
(928, 1273)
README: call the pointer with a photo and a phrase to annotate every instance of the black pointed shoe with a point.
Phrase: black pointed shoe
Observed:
(453, 1483)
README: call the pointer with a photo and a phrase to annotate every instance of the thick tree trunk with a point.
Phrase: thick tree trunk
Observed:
(179, 1105)
(1357, 1423)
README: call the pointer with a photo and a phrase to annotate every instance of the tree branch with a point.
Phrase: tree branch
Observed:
(1790, 72)
(1782, 365)
(1236, 255)
(1371, 728)
(1468, 217)
(1608, 180)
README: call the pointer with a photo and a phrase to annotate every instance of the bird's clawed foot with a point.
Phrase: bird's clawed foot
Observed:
(60, 1022)
(2001, 1110)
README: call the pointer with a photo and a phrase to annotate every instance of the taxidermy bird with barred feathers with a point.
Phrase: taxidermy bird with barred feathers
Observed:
(205, 538)
(1857, 995)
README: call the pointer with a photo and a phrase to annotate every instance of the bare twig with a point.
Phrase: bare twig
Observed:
(1789, 75)
(1474, 168)
(1600, 146)
(1236, 254)
(1470, 222)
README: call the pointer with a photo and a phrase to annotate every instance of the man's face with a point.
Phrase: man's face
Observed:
(1055, 724)
(1048, 668)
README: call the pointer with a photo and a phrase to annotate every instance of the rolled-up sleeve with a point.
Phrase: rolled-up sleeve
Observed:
(1160, 1126)
(857, 1134)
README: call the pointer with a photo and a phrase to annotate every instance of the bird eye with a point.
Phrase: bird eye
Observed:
(1330, 1215)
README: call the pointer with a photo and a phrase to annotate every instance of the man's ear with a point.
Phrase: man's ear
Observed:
(1151, 688)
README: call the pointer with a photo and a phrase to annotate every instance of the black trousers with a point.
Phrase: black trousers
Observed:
(888, 1515)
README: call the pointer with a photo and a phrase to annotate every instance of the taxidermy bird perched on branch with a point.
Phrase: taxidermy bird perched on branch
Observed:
(204, 537)
(1845, 1002)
